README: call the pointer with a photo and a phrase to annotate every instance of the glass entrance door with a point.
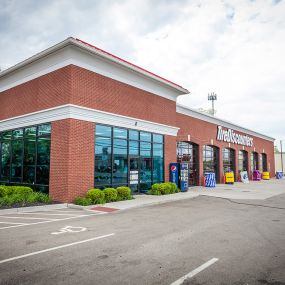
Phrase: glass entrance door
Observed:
(134, 163)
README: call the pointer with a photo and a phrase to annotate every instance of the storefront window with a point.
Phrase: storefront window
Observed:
(188, 152)
(228, 160)
(254, 161)
(25, 157)
(263, 162)
(115, 150)
(211, 160)
(242, 160)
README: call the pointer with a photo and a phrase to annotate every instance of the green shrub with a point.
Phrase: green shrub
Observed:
(173, 187)
(165, 188)
(3, 191)
(21, 190)
(82, 201)
(111, 194)
(97, 196)
(155, 189)
(12, 190)
(41, 197)
(124, 193)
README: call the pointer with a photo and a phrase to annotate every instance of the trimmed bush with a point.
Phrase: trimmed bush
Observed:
(24, 199)
(111, 194)
(173, 187)
(165, 188)
(12, 190)
(124, 193)
(97, 196)
(155, 189)
(82, 201)
(3, 191)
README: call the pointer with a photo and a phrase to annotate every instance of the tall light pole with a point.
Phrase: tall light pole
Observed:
(212, 97)
(281, 155)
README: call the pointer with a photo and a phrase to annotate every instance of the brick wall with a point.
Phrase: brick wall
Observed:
(72, 159)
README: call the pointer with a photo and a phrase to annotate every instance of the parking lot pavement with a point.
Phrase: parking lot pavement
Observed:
(22, 219)
(204, 240)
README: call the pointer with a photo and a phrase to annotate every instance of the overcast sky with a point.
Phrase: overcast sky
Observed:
(233, 48)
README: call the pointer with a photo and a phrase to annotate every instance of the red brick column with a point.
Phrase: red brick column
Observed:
(236, 165)
(72, 159)
(169, 154)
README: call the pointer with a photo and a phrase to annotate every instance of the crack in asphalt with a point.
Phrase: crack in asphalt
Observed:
(243, 203)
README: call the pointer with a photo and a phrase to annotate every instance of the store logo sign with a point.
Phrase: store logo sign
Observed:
(173, 168)
(230, 136)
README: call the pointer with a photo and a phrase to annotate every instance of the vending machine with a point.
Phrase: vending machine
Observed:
(179, 173)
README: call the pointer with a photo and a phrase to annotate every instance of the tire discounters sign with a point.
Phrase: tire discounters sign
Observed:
(230, 136)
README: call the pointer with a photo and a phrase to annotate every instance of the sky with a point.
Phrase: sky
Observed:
(235, 49)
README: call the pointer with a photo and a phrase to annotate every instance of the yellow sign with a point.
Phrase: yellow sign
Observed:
(265, 175)
(229, 177)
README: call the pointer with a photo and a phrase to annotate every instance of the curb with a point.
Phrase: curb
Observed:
(34, 208)
(87, 208)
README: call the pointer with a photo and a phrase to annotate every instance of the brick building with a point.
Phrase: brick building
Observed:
(74, 117)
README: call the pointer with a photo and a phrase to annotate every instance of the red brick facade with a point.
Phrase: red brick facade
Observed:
(72, 141)
(72, 159)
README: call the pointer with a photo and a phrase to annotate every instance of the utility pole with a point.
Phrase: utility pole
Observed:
(281, 156)
(212, 97)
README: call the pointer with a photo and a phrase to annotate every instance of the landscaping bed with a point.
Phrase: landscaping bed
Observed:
(22, 196)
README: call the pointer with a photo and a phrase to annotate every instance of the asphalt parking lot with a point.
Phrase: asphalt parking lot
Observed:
(203, 240)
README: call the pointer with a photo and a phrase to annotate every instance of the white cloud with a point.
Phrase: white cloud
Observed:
(234, 48)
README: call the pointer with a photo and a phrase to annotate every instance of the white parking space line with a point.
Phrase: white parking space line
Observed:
(57, 220)
(54, 248)
(27, 218)
(195, 271)
(44, 214)
(8, 223)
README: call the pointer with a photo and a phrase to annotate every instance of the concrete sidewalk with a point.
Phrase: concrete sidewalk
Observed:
(255, 190)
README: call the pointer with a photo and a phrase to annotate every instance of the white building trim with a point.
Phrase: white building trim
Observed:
(70, 111)
(214, 120)
(71, 51)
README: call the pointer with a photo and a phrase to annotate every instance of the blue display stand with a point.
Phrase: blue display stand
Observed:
(210, 179)
(174, 173)
(279, 174)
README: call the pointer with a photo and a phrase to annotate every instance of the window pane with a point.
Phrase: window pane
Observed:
(16, 167)
(157, 138)
(5, 160)
(145, 136)
(43, 174)
(157, 163)
(145, 149)
(133, 135)
(133, 147)
(29, 174)
(44, 130)
(103, 166)
(120, 164)
(31, 132)
(145, 173)
(17, 133)
(6, 135)
(102, 130)
(120, 133)
(43, 149)
(30, 152)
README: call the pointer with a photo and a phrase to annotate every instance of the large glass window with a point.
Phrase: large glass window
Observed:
(25, 157)
(228, 160)
(242, 160)
(116, 148)
(188, 152)
(263, 162)
(254, 161)
(211, 160)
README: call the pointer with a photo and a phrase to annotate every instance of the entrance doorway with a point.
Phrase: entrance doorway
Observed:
(134, 174)
(188, 152)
